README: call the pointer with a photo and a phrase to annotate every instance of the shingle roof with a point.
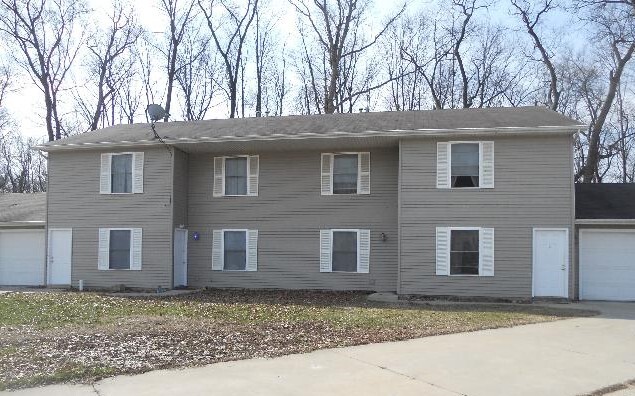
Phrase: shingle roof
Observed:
(326, 125)
(15, 207)
(605, 201)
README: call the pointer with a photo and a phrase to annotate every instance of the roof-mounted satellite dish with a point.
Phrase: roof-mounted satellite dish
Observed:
(156, 112)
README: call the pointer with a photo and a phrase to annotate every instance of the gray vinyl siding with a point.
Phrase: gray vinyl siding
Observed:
(74, 202)
(180, 187)
(532, 189)
(288, 213)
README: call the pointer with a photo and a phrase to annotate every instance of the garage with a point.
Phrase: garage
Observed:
(22, 242)
(605, 228)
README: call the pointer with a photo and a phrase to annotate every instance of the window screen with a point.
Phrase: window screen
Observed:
(121, 171)
(464, 257)
(345, 174)
(119, 257)
(235, 250)
(236, 176)
(344, 251)
(465, 164)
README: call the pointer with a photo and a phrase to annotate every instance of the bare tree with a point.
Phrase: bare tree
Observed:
(229, 31)
(337, 31)
(47, 45)
(22, 170)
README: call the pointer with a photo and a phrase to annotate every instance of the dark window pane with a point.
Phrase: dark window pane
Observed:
(121, 172)
(119, 257)
(465, 165)
(236, 176)
(464, 253)
(235, 250)
(344, 251)
(345, 174)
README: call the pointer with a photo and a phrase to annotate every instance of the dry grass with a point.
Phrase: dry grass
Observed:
(63, 337)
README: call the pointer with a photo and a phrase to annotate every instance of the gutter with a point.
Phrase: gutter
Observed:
(52, 146)
(605, 221)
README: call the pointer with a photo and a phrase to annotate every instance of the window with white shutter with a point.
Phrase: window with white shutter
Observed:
(235, 250)
(465, 251)
(465, 164)
(345, 173)
(345, 250)
(120, 249)
(121, 173)
(236, 176)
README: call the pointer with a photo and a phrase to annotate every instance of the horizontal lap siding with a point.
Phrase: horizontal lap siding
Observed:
(180, 188)
(288, 213)
(532, 189)
(74, 202)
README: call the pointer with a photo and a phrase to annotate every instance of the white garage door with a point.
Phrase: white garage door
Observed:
(607, 265)
(22, 258)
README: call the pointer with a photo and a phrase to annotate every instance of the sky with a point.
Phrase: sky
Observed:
(24, 102)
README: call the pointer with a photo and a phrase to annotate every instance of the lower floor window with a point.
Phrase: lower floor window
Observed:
(235, 250)
(119, 249)
(464, 252)
(344, 253)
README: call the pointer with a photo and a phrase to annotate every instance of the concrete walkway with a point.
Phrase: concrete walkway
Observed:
(568, 357)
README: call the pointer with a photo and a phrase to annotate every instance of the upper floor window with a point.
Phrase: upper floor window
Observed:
(236, 176)
(345, 173)
(465, 165)
(121, 173)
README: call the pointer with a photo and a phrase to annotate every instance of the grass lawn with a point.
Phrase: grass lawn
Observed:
(69, 336)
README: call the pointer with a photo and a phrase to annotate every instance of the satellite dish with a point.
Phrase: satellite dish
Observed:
(156, 112)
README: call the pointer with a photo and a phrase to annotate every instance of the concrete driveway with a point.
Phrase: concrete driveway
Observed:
(568, 357)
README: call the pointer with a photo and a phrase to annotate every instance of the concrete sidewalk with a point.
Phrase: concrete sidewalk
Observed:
(568, 357)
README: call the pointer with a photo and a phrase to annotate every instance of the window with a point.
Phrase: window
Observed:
(344, 254)
(236, 176)
(345, 173)
(465, 165)
(344, 250)
(121, 171)
(235, 250)
(119, 250)
(464, 252)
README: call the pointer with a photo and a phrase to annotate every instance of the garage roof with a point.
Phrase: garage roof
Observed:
(605, 201)
(17, 209)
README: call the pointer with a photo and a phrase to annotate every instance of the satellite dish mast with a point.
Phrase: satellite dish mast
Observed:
(157, 113)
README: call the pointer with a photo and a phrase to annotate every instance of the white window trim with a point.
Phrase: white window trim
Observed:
(133, 174)
(480, 165)
(246, 231)
(480, 264)
(359, 169)
(355, 230)
(225, 157)
(131, 248)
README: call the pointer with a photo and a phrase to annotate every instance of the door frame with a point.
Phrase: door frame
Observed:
(176, 231)
(566, 258)
(48, 254)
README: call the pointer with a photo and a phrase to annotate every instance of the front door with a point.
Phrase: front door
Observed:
(60, 246)
(180, 257)
(551, 262)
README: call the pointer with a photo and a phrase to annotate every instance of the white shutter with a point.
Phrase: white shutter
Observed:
(486, 251)
(105, 178)
(443, 251)
(325, 251)
(363, 180)
(253, 167)
(219, 176)
(137, 248)
(103, 252)
(137, 173)
(443, 165)
(487, 165)
(217, 250)
(363, 262)
(327, 174)
(252, 250)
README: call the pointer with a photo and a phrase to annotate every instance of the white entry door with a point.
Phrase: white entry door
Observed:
(551, 262)
(180, 257)
(60, 248)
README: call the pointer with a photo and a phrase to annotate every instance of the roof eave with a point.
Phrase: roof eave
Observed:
(605, 221)
(568, 129)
